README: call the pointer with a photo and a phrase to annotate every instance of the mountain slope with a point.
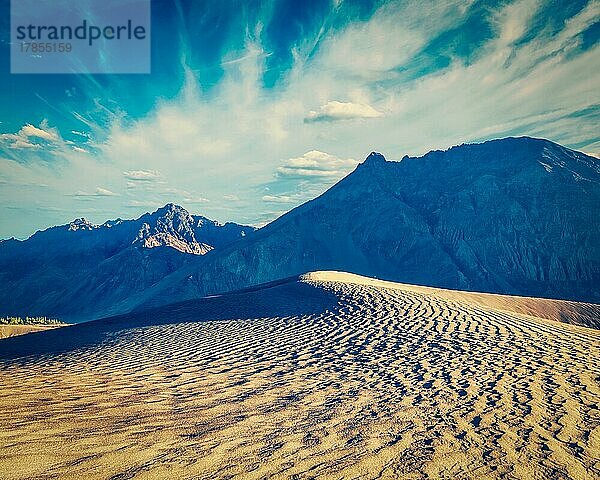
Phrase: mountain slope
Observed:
(80, 270)
(516, 216)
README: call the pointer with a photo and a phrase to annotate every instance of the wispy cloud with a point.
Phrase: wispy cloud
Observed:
(316, 164)
(196, 200)
(334, 110)
(279, 199)
(142, 175)
(299, 179)
(99, 192)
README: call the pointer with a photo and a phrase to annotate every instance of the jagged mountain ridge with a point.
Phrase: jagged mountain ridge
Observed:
(173, 226)
(54, 268)
(516, 216)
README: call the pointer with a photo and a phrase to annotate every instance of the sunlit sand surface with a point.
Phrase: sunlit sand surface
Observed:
(14, 330)
(326, 376)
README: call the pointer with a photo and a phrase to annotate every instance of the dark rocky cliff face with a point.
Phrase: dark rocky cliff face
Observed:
(518, 216)
(513, 216)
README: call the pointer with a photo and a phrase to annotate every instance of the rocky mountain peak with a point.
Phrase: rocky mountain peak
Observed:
(173, 226)
(81, 224)
(171, 210)
(374, 158)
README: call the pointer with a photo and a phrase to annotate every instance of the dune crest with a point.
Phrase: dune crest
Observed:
(328, 375)
(566, 311)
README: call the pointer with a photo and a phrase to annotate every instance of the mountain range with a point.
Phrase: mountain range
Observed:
(80, 270)
(517, 216)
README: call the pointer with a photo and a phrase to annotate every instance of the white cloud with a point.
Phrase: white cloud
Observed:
(372, 50)
(316, 164)
(141, 175)
(28, 136)
(278, 199)
(144, 203)
(81, 134)
(512, 21)
(193, 200)
(104, 192)
(17, 142)
(45, 134)
(335, 110)
(98, 192)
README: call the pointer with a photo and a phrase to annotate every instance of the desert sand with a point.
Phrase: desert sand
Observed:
(14, 330)
(329, 375)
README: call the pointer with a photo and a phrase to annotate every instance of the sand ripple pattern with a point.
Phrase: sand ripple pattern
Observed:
(350, 381)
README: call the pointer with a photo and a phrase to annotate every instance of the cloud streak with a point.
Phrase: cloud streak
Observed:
(316, 164)
(99, 192)
(333, 111)
(142, 175)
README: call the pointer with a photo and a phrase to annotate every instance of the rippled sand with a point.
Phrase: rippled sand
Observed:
(329, 376)
(14, 330)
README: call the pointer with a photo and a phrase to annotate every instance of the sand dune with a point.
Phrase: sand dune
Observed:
(14, 330)
(327, 376)
(566, 311)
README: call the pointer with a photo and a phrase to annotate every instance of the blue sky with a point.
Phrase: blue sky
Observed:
(253, 107)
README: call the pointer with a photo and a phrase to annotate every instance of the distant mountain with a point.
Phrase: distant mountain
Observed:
(81, 269)
(519, 216)
(173, 226)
